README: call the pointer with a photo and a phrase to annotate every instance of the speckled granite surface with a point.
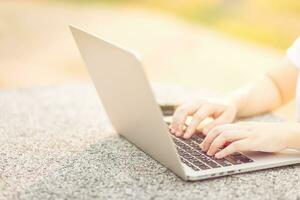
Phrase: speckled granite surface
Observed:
(56, 144)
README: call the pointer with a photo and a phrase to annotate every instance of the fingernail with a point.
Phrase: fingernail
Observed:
(218, 155)
(186, 134)
(177, 133)
(209, 153)
(172, 130)
(201, 146)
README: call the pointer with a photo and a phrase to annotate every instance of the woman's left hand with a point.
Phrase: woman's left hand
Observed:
(224, 140)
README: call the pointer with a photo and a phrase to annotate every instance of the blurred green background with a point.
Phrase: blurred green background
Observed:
(274, 23)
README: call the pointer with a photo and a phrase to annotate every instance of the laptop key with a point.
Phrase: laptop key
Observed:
(189, 164)
(205, 159)
(188, 156)
(195, 146)
(193, 159)
(201, 156)
(200, 165)
(212, 164)
(180, 151)
(176, 141)
(197, 139)
(192, 144)
(242, 158)
(232, 160)
(223, 162)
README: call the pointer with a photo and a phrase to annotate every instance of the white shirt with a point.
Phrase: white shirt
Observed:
(293, 54)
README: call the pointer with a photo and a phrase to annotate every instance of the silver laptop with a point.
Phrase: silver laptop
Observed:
(131, 107)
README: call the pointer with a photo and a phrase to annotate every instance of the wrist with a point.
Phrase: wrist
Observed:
(293, 136)
(237, 100)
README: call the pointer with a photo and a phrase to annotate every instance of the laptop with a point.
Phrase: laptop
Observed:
(128, 100)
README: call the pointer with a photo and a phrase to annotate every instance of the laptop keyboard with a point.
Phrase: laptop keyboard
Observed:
(191, 154)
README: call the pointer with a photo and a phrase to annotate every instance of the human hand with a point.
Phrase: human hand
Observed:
(222, 112)
(247, 136)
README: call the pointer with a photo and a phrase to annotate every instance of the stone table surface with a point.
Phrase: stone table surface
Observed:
(56, 143)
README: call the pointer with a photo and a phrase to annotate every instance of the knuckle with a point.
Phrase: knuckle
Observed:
(197, 116)
(224, 136)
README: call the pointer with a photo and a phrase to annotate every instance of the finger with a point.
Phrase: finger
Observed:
(240, 145)
(180, 116)
(210, 137)
(225, 138)
(222, 119)
(211, 125)
(204, 112)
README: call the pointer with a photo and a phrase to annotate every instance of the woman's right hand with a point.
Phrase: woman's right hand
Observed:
(221, 112)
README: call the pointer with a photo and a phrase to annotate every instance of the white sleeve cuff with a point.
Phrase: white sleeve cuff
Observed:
(293, 53)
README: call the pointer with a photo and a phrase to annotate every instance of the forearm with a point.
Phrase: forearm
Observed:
(267, 93)
(257, 97)
(292, 135)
